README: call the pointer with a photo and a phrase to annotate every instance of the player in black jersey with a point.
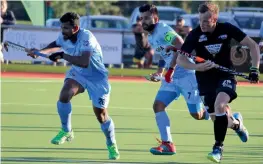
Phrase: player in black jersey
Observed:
(211, 41)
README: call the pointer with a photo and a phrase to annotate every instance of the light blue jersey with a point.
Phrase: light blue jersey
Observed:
(86, 42)
(163, 36)
(94, 78)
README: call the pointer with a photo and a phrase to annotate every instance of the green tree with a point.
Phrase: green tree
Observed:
(95, 7)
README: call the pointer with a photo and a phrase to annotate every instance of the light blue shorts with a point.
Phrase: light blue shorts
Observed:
(187, 86)
(98, 90)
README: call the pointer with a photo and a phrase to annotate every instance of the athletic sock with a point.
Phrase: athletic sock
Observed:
(220, 128)
(163, 124)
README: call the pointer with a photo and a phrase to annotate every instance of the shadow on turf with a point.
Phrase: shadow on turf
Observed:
(75, 114)
(97, 130)
(72, 160)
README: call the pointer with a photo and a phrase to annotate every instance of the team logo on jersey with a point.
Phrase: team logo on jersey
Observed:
(159, 49)
(213, 48)
(222, 36)
(85, 42)
(169, 36)
(202, 38)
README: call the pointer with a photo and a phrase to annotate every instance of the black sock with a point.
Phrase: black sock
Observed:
(220, 129)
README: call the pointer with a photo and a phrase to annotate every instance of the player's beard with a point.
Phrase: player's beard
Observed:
(147, 27)
(66, 37)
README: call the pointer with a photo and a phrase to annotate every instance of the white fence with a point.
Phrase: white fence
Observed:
(38, 37)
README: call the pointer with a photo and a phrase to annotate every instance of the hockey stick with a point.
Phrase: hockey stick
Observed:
(221, 68)
(21, 48)
(199, 59)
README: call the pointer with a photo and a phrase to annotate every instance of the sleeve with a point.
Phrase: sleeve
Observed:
(189, 43)
(169, 34)
(234, 32)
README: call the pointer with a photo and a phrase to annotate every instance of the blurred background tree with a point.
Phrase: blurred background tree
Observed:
(124, 8)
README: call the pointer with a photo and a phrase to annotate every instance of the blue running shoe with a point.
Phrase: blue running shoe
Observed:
(216, 154)
(241, 131)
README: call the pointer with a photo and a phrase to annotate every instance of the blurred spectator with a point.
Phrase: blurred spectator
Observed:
(142, 48)
(7, 17)
(180, 27)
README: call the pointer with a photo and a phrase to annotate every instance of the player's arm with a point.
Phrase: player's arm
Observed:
(86, 49)
(254, 50)
(188, 47)
(50, 48)
(161, 65)
(160, 70)
(82, 61)
(245, 40)
(177, 43)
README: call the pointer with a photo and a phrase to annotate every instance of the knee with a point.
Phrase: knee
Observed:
(102, 118)
(158, 106)
(220, 107)
(197, 116)
(101, 115)
(65, 96)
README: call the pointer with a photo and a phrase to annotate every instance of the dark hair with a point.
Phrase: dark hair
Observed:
(71, 17)
(179, 19)
(208, 6)
(149, 7)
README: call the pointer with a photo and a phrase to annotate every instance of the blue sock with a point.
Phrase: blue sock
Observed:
(64, 111)
(163, 124)
(108, 129)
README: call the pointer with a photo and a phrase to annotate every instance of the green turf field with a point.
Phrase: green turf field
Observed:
(30, 120)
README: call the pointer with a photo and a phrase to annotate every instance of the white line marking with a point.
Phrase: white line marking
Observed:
(111, 81)
(112, 107)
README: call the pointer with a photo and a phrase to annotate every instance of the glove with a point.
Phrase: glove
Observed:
(169, 74)
(30, 52)
(56, 56)
(154, 75)
(253, 75)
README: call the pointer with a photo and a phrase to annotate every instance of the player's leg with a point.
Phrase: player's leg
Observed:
(100, 100)
(139, 62)
(189, 89)
(71, 88)
(149, 58)
(225, 94)
(138, 58)
(166, 94)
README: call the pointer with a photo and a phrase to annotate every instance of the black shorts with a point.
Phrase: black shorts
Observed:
(209, 94)
(139, 53)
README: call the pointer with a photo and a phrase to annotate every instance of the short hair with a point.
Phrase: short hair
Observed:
(149, 7)
(208, 6)
(179, 19)
(71, 17)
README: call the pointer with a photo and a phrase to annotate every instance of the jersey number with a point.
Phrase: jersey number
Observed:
(189, 95)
